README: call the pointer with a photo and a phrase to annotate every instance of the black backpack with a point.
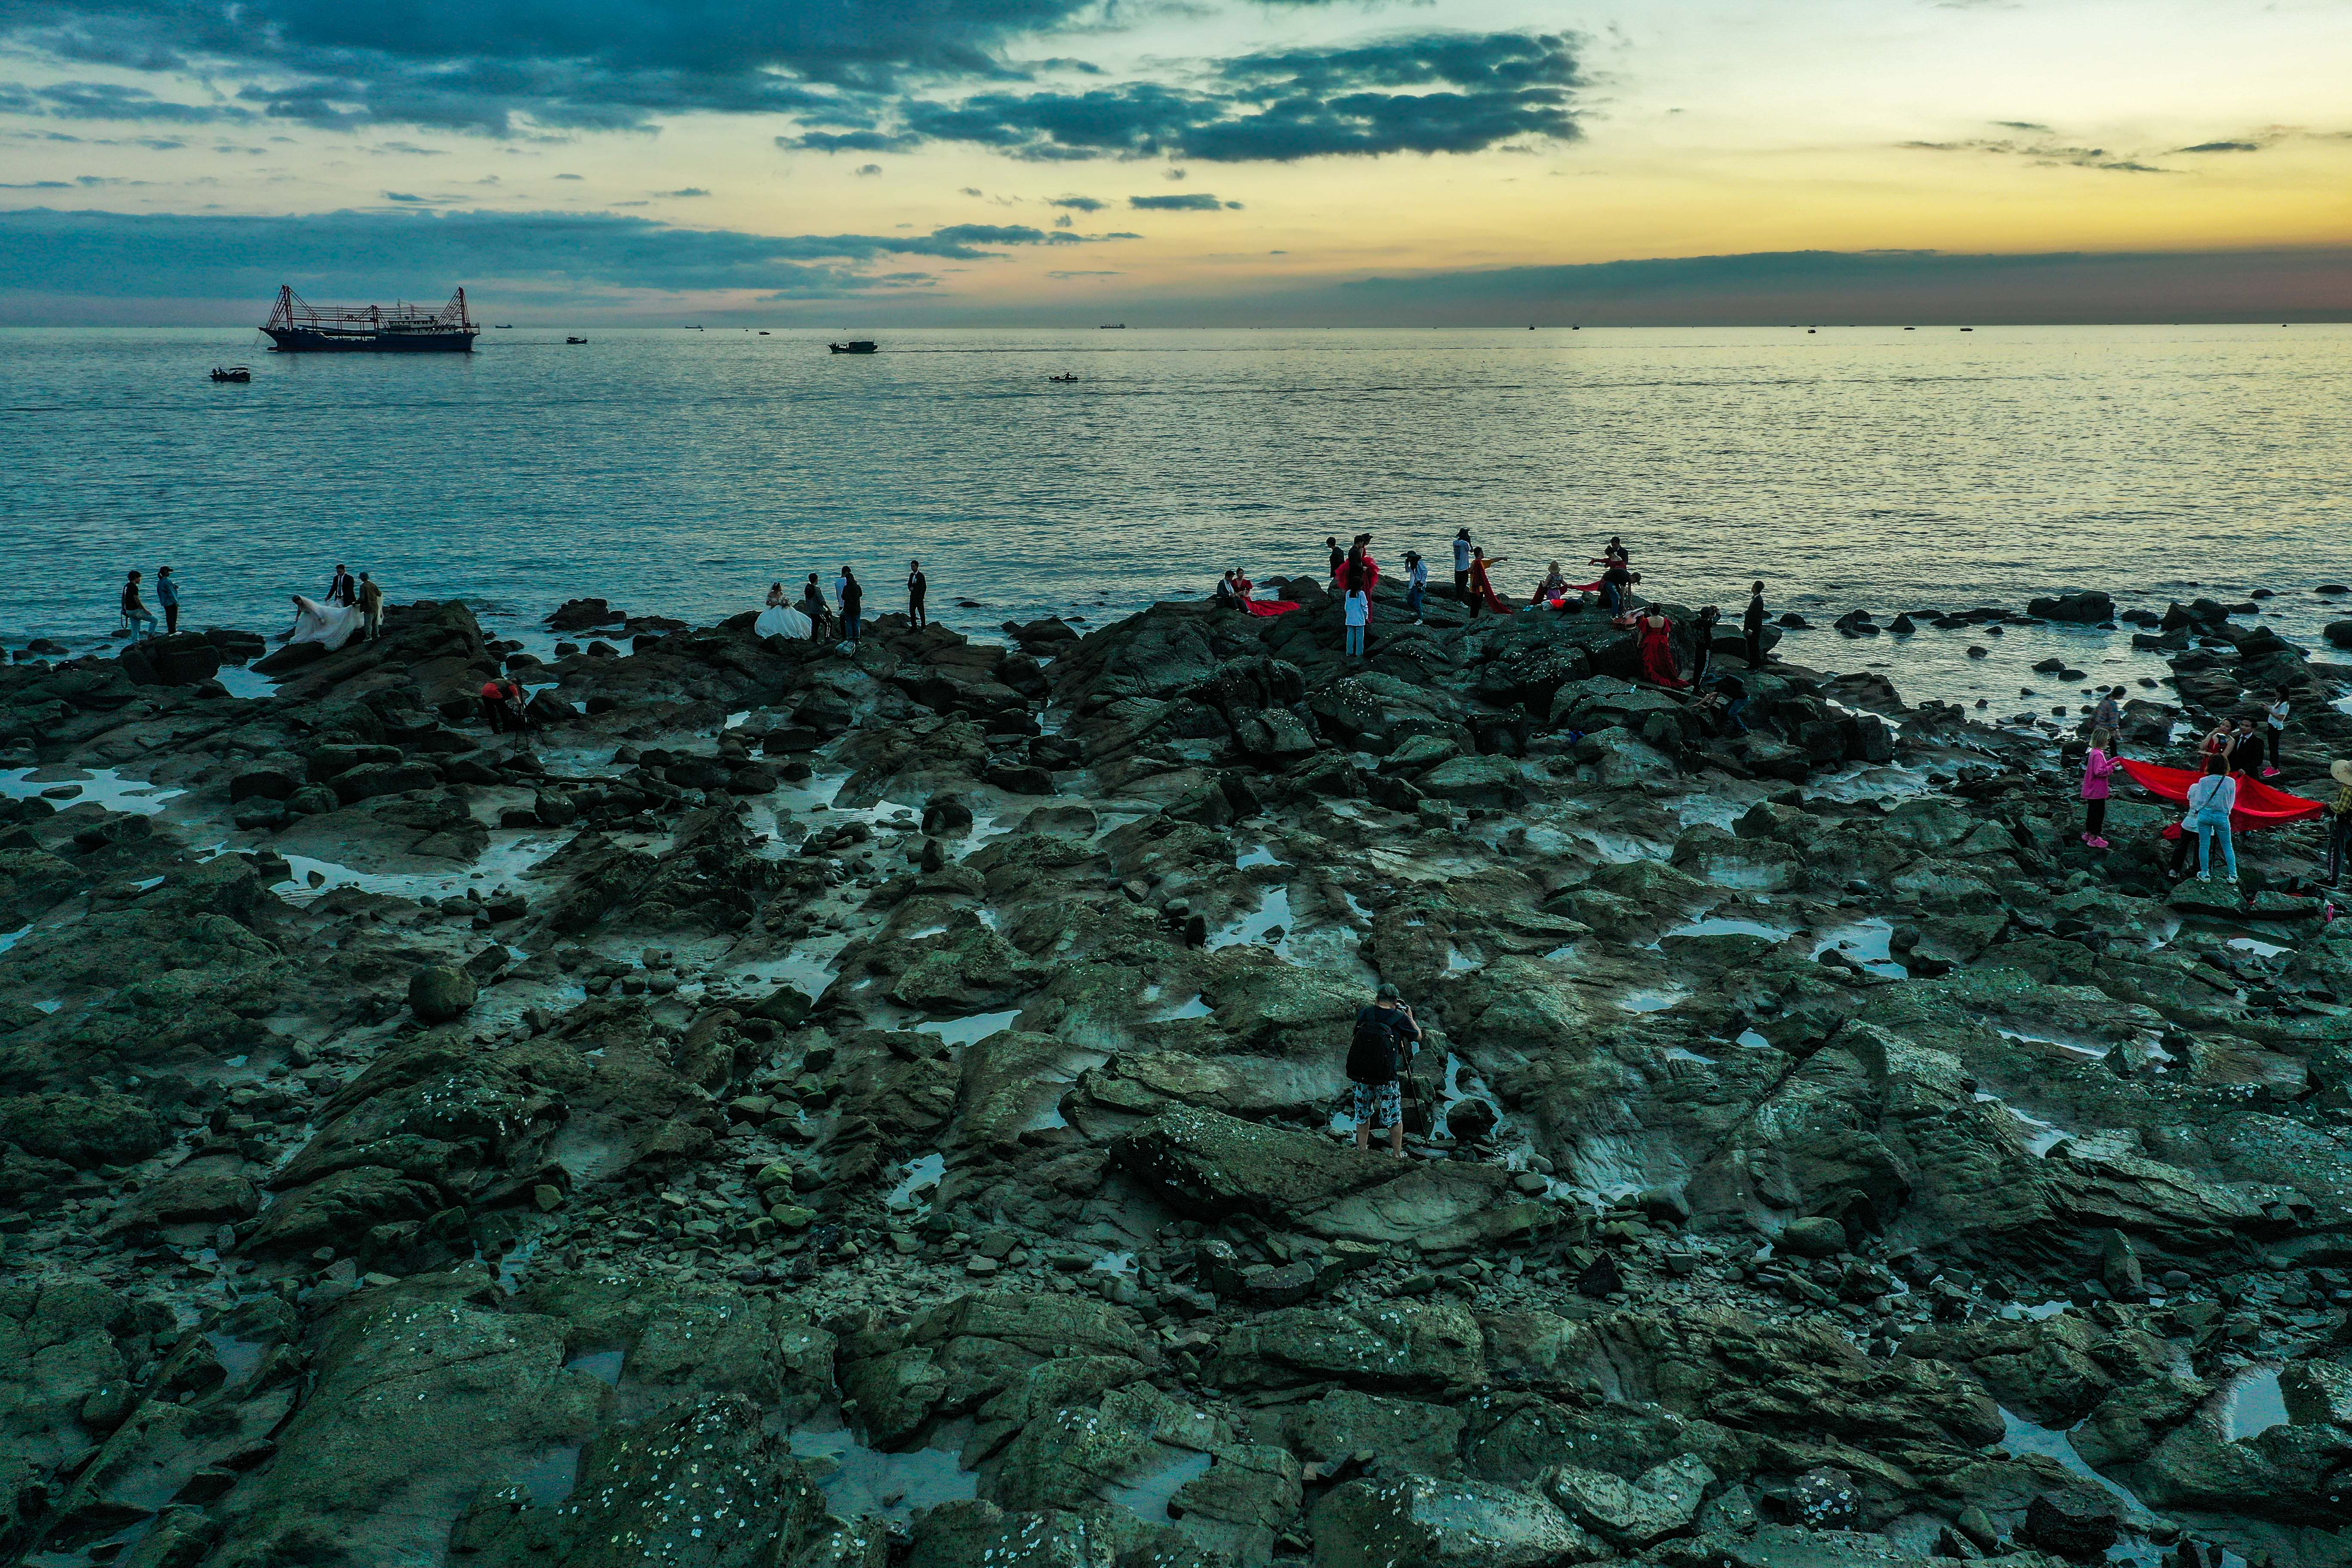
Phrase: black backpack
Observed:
(1372, 1050)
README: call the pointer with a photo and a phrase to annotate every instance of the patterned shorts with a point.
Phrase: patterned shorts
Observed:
(1379, 1105)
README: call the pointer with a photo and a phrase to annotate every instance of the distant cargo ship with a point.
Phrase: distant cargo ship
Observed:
(297, 326)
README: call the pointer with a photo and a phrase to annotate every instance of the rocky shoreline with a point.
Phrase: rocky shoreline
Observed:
(806, 1106)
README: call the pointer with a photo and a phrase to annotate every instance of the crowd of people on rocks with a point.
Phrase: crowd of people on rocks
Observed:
(2235, 757)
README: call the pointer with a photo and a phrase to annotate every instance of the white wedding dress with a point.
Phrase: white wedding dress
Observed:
(331, 624)
(782, 621)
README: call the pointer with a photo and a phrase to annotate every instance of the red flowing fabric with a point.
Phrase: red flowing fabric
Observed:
(1485, 589)
(1658, 656)
(1269, 606)
(2258, 805)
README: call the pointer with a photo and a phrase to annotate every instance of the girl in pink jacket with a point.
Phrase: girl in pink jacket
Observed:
(2098, 766)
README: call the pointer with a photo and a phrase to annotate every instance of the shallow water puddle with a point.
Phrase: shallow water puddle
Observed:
(308, 879)
(1652, 999)
(1725, 925)
(1867, 943)
(2040, 1137)
(1752, 1040)
(2079, 1045)
(9, 939)
(1261, 856)
(605, 1367)
(238, 1358)
(549, 1476)
(2253, 1403)
(101, 786)
(922, 1176)
(1148, 1498)
(2258, 947)
(2022, 1436)
(965, 1031)
(1197, 1007)
(1274, 913)
(866, 1480)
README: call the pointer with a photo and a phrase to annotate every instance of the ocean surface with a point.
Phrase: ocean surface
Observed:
(679, 472)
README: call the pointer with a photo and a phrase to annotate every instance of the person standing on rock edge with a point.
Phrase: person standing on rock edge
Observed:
(2274, 721)
(1416, 583)
(1359, 608)
(1703, 641)
(167, 593)
(370, 608)
(343, 590)
(1385, 1036)
(814, 606)
(1462, 551)
(2339, 820)
(134, 607)
(1752, 626)
(1338, 562)
(853, 603)
(2099, 766)
(917, 587)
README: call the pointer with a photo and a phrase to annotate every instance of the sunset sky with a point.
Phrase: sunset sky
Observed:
(1054, 161)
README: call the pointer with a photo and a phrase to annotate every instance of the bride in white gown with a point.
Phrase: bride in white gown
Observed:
(780, 619)
(331, 624)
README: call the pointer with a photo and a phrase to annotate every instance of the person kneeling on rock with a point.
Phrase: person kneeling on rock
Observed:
(1386, 1036)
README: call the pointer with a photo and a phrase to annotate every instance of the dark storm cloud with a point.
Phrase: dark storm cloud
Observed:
(1076, 204)
(1436, 93)
(561, 64)
(1190, 202)
(105, 100)
(2222, 147)
(183, 256)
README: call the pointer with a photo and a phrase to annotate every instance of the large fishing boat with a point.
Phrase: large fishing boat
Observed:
(297, 326)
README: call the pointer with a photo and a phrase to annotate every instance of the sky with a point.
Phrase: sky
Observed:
(1061, 162)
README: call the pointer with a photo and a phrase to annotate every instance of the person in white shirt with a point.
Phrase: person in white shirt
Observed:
(2276, 733)
(1462, 548)
(1359, 615)
(1416, 583)
(2209, 802)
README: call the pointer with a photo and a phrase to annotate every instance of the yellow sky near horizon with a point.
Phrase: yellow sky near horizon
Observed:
(1708, 129)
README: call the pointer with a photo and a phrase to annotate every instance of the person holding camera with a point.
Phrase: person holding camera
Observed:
(1386, 1036)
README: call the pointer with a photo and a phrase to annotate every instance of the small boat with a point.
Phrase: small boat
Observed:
(576, 340)
(231, 373)
(853, 346)
(1112, 327)
(1061, 378)
(503, 327)
(763, 332)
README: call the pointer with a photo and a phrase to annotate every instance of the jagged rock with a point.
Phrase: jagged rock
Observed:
(2087, 608)
(1416, 1522)
(441, 991)
(82, 1131)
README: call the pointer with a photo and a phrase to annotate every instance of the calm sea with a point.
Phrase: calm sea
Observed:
(680, 471)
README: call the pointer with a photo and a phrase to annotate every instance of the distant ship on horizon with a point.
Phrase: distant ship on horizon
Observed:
(297, 326)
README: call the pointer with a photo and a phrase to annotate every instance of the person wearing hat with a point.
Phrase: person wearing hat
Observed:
(1385, 1037)
(2339, 819)
(1416, 583)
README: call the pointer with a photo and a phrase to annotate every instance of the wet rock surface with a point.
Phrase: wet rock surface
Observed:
(885, 1106)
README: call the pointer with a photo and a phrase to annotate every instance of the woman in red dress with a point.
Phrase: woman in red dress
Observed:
(1658, 649)
(1482, 589)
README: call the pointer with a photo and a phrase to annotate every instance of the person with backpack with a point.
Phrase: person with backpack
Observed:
(1386, 1036)
(2210, 800)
